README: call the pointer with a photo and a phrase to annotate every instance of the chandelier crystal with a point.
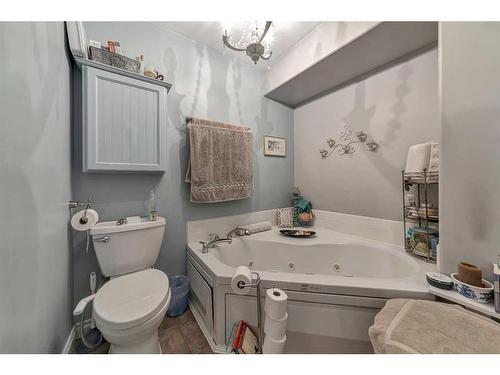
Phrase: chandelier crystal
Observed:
(251, 41)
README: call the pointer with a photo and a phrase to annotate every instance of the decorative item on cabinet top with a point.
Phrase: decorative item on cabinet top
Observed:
(346, 144)
(82, 62)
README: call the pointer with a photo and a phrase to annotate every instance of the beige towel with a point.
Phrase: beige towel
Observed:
(220, 162)
(433, 169)
(418, 159)
(417, 326)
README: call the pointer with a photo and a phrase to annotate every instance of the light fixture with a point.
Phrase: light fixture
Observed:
(251, 41)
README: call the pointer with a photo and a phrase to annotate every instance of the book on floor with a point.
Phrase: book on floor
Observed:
(242, 339)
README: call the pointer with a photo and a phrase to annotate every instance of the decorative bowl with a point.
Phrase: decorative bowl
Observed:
(438, 280)
(481, 295)
(297, 233)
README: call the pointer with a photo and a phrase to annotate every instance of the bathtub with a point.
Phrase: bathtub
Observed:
(335, 282)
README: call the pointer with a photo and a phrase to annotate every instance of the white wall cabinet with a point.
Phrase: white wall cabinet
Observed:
(124, 123)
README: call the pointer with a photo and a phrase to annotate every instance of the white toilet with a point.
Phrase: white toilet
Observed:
(130, 307)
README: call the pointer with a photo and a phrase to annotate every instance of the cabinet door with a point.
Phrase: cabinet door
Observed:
(201, 296)
(124, 123)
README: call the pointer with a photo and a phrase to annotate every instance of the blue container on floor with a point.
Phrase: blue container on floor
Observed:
(179, 287)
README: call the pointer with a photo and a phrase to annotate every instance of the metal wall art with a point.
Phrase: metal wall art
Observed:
(347, 142)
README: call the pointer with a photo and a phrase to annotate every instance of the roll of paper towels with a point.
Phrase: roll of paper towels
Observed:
(275, 305)
(273, 346)
(275, 328)
(84, 220)
(243, 274)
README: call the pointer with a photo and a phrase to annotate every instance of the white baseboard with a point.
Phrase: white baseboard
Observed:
(69, 341)
(73, 335)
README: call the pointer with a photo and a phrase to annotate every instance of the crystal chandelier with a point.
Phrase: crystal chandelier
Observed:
(251, 41)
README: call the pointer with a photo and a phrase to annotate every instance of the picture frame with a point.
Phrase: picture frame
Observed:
(275, 146)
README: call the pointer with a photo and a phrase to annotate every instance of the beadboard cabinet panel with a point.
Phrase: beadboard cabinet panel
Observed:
(124, 123)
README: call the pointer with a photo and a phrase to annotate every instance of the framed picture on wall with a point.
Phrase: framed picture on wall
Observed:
(274, 146)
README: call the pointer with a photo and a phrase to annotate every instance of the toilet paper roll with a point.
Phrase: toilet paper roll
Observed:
(241, 273)
(275, 328)
(275, 305)
(84, 220)
(273, 346)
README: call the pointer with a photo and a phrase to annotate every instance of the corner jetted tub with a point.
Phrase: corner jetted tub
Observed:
(335, 283)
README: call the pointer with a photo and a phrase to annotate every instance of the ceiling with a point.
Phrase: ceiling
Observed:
(285, 35)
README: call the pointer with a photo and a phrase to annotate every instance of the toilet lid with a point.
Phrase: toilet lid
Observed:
(130, 300)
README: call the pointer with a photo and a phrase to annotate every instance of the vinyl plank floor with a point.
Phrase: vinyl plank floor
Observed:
(194, 337)
(173, 342)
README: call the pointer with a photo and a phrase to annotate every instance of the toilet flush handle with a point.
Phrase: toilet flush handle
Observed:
(102, 239)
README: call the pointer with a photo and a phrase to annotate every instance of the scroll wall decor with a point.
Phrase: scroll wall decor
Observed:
(348, 142)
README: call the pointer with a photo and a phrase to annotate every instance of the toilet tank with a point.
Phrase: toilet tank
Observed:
(128, 247)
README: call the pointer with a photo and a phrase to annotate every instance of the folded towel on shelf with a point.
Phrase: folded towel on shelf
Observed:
(418, 159)
(220, 162)
(258, 227)
(433, 169)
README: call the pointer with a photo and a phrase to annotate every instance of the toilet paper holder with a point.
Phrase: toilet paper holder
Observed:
(260, 327)
(75, 204)
(88, 204)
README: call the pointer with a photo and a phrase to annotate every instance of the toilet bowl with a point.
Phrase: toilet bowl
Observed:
(129, 309)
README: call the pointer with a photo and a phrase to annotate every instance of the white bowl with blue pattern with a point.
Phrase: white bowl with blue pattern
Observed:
(481, 295)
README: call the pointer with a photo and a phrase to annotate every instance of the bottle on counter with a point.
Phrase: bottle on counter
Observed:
(153, 213)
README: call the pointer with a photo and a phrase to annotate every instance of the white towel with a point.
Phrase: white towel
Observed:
(433, 169)
(418, 158)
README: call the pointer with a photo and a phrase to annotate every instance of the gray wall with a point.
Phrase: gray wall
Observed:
(35, 261)
(205, 84)
(398, 107)
(470, 182)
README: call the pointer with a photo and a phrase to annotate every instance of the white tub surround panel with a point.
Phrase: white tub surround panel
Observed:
(389, 231)
(199, 230)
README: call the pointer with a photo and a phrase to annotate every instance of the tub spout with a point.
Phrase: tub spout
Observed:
(210, 244)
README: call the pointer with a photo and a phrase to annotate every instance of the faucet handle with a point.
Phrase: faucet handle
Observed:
(205, 246)
(213, 236)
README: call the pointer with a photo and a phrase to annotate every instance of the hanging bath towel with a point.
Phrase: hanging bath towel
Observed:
(220, 162)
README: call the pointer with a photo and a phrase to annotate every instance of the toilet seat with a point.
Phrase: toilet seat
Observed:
(130, 300)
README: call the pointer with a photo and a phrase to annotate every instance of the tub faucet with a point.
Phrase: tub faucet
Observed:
(240, 231)
(214, 239)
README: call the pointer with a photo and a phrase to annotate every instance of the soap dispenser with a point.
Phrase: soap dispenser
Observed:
(153, 213)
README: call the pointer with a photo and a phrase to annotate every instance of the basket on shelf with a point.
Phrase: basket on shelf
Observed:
(113, 59)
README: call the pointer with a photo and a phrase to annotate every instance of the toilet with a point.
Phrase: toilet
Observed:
(129, 308)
